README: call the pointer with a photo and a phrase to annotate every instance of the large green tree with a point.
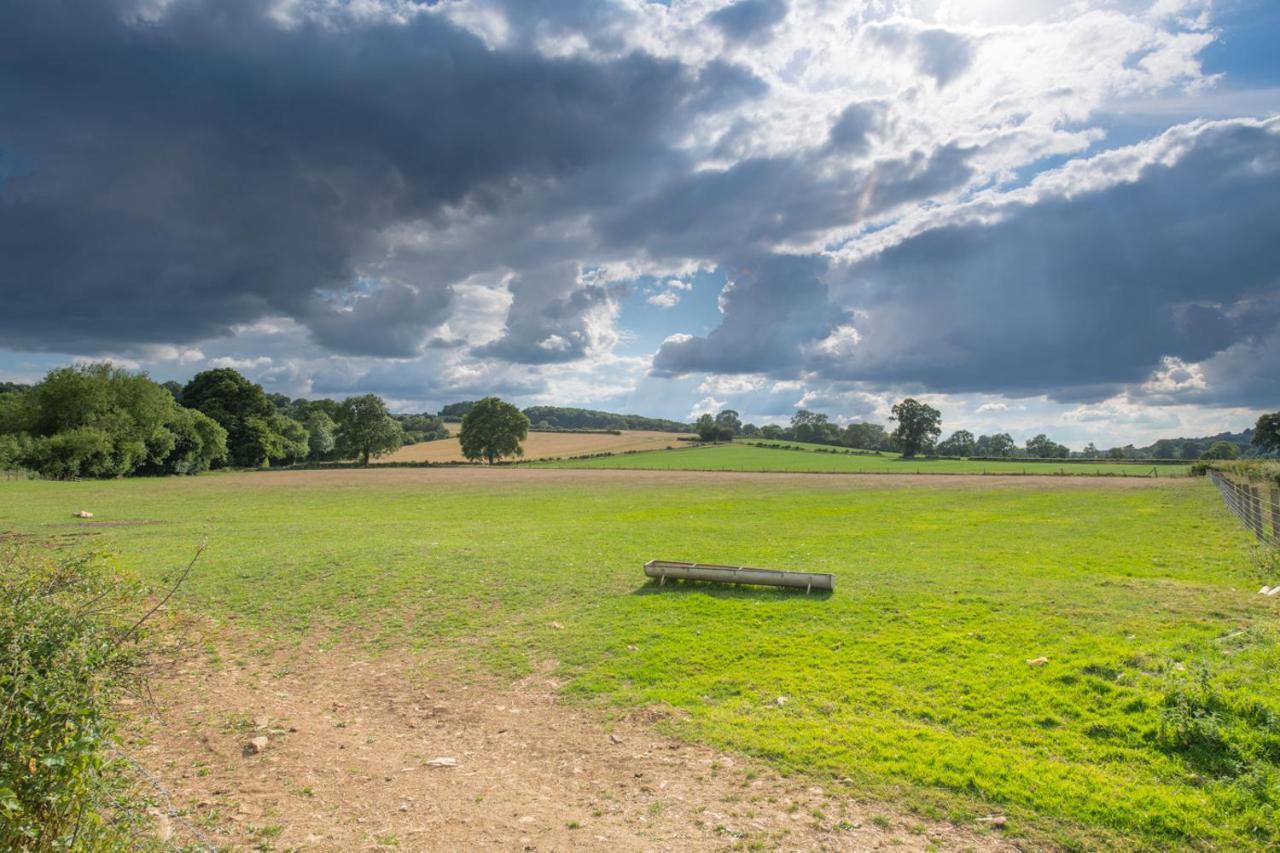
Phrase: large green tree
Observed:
(1043, 447)
(1266, 434)
(366, 430)
(865, 436)
(919, 426)
(493, 429)
(257, 432)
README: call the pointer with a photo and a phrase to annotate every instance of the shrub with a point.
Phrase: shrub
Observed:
(67, 651)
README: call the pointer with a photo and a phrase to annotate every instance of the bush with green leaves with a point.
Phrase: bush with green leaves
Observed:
(98, 420)
(69, 646)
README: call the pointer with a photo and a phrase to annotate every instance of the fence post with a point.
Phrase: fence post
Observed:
(1275, 514)
(1254, 509)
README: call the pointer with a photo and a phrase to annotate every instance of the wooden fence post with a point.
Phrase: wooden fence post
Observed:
(1275, 513)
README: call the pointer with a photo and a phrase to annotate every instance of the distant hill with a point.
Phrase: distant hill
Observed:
(560, 417)
(1191, 448)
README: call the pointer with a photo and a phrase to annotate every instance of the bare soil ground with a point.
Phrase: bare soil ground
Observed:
(480, 474)
(351, 762)
(545, 445)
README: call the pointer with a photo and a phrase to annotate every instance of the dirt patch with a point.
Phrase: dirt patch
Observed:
(483, 475)
(547, 445)
(369, 753)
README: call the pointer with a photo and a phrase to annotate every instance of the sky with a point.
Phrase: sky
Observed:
(1058, 217)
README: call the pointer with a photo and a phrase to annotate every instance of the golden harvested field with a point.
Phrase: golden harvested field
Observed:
(542, 445)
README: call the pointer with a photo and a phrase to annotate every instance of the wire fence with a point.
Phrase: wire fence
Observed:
(1256, 505)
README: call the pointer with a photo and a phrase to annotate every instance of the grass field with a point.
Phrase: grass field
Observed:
(749, 457)
(910, 682)
(540, 445)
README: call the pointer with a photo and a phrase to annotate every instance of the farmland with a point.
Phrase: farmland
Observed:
(541, 445)
(815, 459)
(910, 683)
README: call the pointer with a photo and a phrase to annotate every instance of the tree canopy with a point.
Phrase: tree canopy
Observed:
(1221, 450)
(959, 443)
(919, 425)
(257, 432)
(98, 420)
(493, 429)
(366, 430)
(1267, 433)
(709, 428)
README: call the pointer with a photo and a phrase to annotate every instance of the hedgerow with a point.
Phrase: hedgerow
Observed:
(68, 650)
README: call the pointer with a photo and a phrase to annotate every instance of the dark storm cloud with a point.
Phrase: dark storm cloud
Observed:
(775, 305)
(1075, 296)
(761, 202)
(182, 175)
(748, 20)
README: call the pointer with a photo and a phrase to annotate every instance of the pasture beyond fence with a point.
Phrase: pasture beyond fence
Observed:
(1257, 505)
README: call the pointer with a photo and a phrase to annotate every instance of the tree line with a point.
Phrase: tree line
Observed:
(567, 417)
(98, 420)
(915, 428)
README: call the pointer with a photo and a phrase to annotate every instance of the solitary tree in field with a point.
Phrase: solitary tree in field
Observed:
(493, 429)
(366, 430)
(919, 426)
(1267, 433)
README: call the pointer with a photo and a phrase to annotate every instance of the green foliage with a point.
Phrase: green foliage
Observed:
(419, 428)
(492, 430)
(561, 417)
(1043, 447)
(919, 425)
(959, 443)
(458, 410)
(321, 434)
(1266, 434)
(813, 426)
(258, 430)
(366, 430)
(65, 656)
(729, 420)
(1221, 450)
(865, 436)
(999, 445)
(242, 409)
(100, 421)
(709, 429)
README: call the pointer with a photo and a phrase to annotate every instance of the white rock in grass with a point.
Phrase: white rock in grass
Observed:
(443, 762)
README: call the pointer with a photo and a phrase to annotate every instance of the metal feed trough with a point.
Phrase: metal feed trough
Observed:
(737, 574)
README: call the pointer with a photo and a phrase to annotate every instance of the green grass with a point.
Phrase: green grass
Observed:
(910, 682)
(749, 457)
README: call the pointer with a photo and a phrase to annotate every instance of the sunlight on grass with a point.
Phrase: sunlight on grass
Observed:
(911, 681)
